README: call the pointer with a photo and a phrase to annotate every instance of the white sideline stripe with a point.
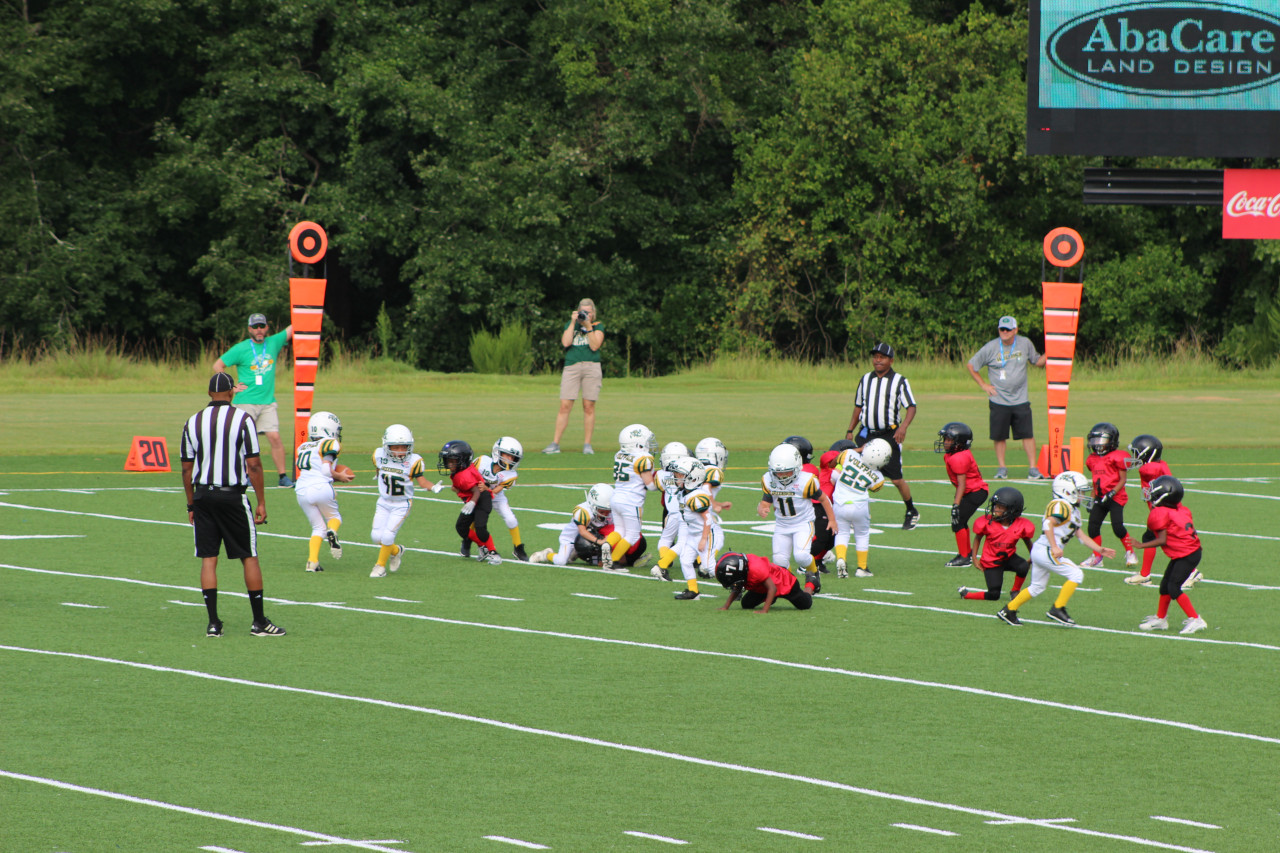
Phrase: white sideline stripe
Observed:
(589, 595)
(516, 841)
(397, 600)
(928, 829)
(499, 597)
(215, 849)
(789, 833)
(883, 592)
(45, 536)
(653, 837)
(243, 821)
(1185, 822)
(572, 738)
(87, 606)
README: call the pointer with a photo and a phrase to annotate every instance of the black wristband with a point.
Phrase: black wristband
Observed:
(191, 507)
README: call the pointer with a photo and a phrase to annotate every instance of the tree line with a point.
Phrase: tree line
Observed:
(777, 176)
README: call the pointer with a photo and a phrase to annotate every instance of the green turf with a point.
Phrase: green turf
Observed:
(380, 721)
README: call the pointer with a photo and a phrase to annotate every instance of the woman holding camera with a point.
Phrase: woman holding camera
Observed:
(581, 340)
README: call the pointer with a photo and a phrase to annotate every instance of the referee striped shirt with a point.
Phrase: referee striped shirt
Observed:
(881, 399)
(218, 439)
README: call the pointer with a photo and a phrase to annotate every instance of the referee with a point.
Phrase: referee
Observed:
(882, 396)
(220, 460)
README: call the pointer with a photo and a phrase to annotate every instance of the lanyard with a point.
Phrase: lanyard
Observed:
(254, 348)
(1003, 359)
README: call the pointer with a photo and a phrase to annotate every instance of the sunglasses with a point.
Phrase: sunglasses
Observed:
(258, 326)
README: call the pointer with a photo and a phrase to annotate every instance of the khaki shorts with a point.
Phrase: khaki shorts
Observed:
(265, 416)
(585, 377)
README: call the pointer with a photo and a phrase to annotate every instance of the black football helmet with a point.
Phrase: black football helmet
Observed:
(1145, 448)
(1010, 500)
(799, 442)
(842, 445)
(961, 438)
(457, 452)
(1104, 438)
(1166, 491)
(731, 570)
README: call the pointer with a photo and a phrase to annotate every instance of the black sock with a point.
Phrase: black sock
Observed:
(255, 601)
(211, 603)
(911, 507)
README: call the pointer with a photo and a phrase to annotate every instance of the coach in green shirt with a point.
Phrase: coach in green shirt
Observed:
(255, 361)
(581, 340)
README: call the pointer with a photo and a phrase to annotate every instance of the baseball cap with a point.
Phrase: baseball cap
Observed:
(1007, 322)
(257, 319)
(882, 348)
(221, 382)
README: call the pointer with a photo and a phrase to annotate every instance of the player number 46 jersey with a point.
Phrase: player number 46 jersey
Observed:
(1061, 520)
(395, 478)
(793, 503)
(310, 460)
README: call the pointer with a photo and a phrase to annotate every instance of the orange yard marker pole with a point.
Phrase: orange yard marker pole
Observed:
(1062, 248)
(307, 245)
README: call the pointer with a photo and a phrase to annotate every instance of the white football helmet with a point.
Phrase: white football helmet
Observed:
(711, 451)
(691, 471)
(877, 453)
(323, 425)
(637, 440)
(600, 499)
(510, 446)
(670, 453)
(397, 434)
(1072, 487)
(785, 463)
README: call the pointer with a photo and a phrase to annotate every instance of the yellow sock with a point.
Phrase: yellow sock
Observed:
(862, 559)
(842, 551)
(313, 549)
(515, 537)
(1068, 589)
(385, 552)
(666, 557)
(334, 523)
(692, 583)
(1021, 598)
(620, 547)
(613, 538)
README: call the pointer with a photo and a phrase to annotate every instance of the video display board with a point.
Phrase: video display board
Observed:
(1156, 78)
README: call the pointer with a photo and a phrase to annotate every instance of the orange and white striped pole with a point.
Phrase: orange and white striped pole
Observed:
(307, 245)
(1062, 248)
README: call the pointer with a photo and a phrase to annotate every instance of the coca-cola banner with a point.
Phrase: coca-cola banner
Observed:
(1251, 204)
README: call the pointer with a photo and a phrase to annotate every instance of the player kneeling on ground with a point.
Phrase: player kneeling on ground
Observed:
(1002, 528)
(584, 536)
(757, 581)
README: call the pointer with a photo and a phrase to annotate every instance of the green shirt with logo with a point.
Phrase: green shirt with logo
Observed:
(255, 365)
(580, 350)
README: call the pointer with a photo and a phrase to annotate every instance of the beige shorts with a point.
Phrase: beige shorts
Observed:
(265, 416)
(585, 377)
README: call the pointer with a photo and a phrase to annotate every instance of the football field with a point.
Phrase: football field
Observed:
(455, 706)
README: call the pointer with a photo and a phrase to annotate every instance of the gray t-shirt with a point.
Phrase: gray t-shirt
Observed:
(1007, 368)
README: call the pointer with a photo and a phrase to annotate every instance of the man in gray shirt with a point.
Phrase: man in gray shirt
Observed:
(1006, 359)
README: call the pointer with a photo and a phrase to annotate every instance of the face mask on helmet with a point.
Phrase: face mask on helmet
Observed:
(507, 453)
(397, 441)
(671, 452)
(711, 451)
(1103, 439)
(324, 425)
(600, 499)
(731, 570)
(784, 463)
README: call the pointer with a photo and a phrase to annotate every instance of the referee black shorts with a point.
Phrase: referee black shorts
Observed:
(892, 469)
(224, 518)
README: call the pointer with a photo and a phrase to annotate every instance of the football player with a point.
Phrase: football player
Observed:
(695, 522)
(633, 471)
(856, 474)
(713, 455)
(758, 581)
(1061, 523)
(823, 538)
(1144, 454)
(583, 537)
(954, 439)
(315, 461)
(397, 468)
(1109, 467)
(666, 481)
(454, 462)
(790, 491)
(1170, 527)
(499, 472)
(997, 535)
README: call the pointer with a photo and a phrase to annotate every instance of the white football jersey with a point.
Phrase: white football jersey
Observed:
(493, 475)
(1061, 520)
(695, 508)
(310, 461)
(714, 480)
(854, 479)
(628, 483)
(396, 479)
(792, 504)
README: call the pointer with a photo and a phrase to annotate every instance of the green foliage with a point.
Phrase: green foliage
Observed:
(509, 352)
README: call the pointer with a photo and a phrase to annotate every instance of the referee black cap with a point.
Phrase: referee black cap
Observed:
(882, 348)
(220, 383)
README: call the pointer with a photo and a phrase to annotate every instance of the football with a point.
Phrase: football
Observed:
(342, 469)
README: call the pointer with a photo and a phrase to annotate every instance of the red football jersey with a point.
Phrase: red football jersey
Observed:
(962, 464)
(1108, 472)
(1179, 529)
(825, 471)
(759, 569)
(1149, 472)
(466, 480)
(1001, 541)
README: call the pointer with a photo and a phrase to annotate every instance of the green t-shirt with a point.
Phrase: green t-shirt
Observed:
(580, 350)
(255, 365)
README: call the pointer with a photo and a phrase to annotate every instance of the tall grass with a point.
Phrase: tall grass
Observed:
(509, 352)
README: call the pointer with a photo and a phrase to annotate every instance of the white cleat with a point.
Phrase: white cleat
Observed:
(335, 547)
(842, 569)
(1093, 562)
(1130, 558)
(1194, 578)
(863, 573)
(378, 572)
(394, 563)
(1154, 623)
(539, 556)
(1192, 625)
(1139, 579)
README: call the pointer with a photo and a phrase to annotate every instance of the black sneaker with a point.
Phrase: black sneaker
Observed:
(822, 567)
(911, 520)
(687, 595)
(519, 554)
(265, 628)
(335, 548)
(958, 561)
(815, 579)
(465, 550)
(286, 482)
(1009, 616)
(214, 629)
(1060, 614)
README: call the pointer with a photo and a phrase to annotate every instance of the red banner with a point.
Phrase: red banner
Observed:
(1251, 204)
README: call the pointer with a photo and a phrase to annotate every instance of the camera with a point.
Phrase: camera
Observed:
(582, 317)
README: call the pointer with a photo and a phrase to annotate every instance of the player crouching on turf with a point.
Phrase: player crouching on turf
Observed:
(1169, 526)
(499, 472)
(1002, 528)
(398, 469)
(757, 581)
(584, 536)
(317, 464)
(477, 502)
(1061, 523)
